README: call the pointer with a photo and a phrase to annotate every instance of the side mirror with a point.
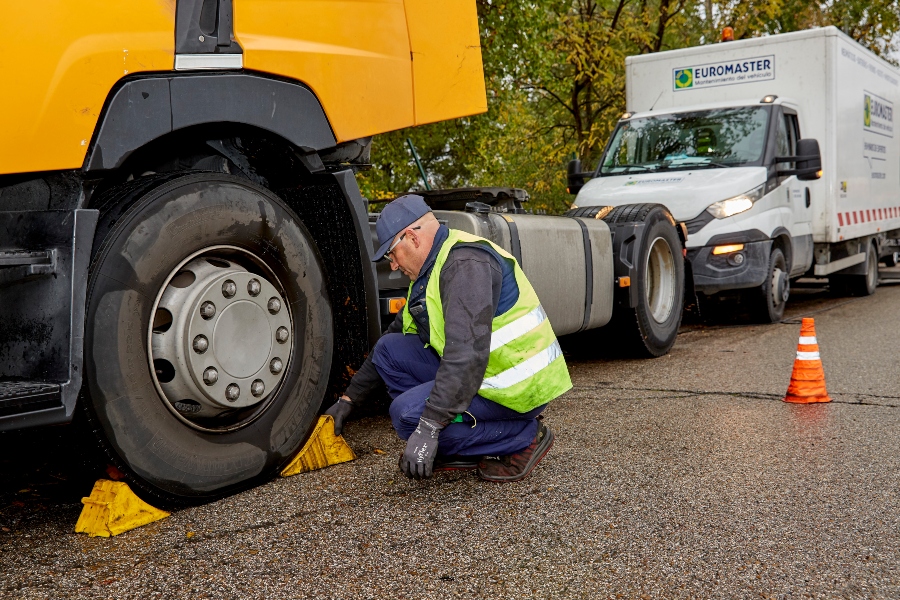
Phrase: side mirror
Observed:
(808, 161)
(574, 177)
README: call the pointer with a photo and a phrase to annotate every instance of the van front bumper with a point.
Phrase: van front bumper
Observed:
(715, 273)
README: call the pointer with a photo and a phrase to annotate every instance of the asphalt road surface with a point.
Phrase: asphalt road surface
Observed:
(684, 476)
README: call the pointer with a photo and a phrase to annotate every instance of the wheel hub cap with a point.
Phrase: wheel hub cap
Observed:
(242, 339)
(227, 327)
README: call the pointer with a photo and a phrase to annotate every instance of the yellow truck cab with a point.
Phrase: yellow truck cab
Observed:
(184, 250)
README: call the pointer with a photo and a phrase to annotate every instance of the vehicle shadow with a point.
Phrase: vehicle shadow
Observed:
(44, 473)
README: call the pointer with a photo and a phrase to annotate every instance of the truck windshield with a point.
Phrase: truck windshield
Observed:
(712, 138)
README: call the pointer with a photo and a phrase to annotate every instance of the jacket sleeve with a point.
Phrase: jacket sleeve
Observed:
(367, 378)
(470, 293)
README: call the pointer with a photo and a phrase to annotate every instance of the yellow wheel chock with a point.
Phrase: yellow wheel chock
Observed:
(112, 508)
(322, 449)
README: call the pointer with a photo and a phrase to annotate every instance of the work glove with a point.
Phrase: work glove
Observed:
(417, 461)
(340, 410)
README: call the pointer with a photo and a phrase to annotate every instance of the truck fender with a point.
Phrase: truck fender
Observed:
(142, 109)
(787, 245)
(626, 227)
(626, 238)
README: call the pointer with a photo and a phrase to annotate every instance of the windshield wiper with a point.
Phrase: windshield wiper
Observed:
(626, 167)
(690, 165)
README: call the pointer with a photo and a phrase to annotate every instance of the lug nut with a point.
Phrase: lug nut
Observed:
(276, 365)
(281, 334)
(207, 310)
(274, 305)
(210, 376)
(201, 344)
(232, 392)
(257, 388)
(229, 289)
(253, 287)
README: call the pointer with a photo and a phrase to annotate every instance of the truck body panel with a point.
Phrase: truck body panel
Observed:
(380, 49)
(60, 73)
(311, 40)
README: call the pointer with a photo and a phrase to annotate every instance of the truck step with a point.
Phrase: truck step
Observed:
(16, 265)
(18, 397)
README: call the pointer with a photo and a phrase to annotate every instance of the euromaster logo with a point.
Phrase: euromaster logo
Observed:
(684, 78)
(878, 114)
(730, 72)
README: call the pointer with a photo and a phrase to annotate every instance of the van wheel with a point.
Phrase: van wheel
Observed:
(768, 300)
(858, 285)
(208, 339)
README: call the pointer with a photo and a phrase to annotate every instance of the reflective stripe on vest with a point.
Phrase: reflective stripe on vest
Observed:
(525, 369)
(517, 328)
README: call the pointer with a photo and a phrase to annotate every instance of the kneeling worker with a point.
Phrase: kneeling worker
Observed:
(470, 361)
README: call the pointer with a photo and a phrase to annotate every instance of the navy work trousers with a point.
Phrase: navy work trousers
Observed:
(408, 369)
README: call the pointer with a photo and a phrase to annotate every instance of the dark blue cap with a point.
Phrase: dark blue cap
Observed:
(397, 216)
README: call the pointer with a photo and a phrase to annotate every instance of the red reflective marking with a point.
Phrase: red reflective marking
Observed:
(840, 219)
(855, 221)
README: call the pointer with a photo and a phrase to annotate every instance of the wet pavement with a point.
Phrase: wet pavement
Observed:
(684, 476)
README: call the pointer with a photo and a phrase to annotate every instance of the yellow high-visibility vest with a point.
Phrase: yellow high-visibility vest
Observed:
(526, 368)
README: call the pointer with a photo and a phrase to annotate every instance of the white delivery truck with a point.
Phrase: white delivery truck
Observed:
(727, 137)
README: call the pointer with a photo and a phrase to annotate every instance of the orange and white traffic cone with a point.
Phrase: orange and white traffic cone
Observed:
(808, 379)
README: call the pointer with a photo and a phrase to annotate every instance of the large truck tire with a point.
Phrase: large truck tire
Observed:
(649, 328)
(767, 302)
(208, 338)
(857, 285)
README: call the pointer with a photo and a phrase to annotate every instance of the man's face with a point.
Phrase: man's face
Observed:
(408, 255)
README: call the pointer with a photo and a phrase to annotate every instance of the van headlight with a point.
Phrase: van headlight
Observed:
(736, 205)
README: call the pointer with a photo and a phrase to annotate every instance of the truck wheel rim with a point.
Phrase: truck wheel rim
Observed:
(872, 270)
(220, 339)
(659, 274)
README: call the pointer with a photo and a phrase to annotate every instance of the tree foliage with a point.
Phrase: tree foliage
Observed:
(555, 77)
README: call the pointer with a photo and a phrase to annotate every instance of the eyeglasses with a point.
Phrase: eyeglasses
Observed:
(387, 254)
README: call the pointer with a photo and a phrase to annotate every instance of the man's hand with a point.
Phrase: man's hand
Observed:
(417, 461)
(340, 410)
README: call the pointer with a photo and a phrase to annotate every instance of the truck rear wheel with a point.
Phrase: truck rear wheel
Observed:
(858, 285)
(208, 339)
(768, 300)
(657, 316)
(648, 329)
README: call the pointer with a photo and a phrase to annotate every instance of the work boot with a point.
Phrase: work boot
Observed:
(455, 462)
(514, 467)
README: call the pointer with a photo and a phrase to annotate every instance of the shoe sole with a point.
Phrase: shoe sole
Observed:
(460, 467)
(456, 465)
(535, 459)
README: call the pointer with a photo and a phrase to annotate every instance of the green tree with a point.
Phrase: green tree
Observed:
(555, 78)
